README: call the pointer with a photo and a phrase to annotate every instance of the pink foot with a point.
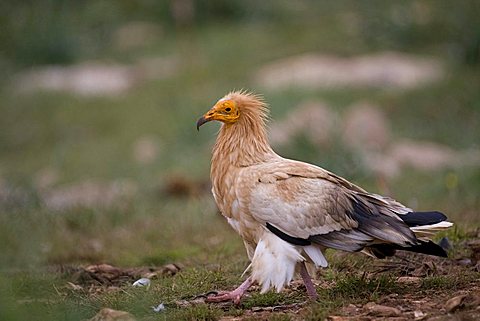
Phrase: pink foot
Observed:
(226, 296)
(235, 295)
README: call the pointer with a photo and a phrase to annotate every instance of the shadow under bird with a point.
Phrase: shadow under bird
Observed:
(288, 212)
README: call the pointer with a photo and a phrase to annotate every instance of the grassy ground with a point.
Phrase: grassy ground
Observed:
(171, 218)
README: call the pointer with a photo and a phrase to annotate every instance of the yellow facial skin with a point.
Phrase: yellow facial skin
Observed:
(225, 111)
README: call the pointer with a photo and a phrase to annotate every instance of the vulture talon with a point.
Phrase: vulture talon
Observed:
(205, 295)
(235, 296)
(210, 293)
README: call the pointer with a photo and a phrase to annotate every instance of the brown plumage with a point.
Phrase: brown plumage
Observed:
(287, 212)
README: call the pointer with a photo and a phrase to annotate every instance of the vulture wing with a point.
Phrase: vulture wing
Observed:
(304, 204)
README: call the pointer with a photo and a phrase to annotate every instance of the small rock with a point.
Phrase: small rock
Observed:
(142, 282)
(337, 318)
(409, 280)
(103, 271)
(419, 315)
(464, 262)
(454, 303)
(107, 314)
(170, 269)
(465, 301)
(381, 310)
(350, 309)
(159, 308)
(74, 286)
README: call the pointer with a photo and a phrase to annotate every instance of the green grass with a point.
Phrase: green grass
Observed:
(93, 139)
(358, 288)
(439, 283)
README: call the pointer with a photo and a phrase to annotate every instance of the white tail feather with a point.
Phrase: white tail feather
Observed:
(430, 230)
(316, 255)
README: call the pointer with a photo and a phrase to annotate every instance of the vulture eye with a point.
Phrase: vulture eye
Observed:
(228, 109)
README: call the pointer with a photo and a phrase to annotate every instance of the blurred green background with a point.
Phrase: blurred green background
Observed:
(100, 160)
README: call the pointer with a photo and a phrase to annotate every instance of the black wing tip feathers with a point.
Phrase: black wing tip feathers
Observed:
(428, 247)
(425, 247)
(423, 218)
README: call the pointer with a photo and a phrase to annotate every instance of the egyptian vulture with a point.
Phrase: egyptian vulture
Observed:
(288, 212)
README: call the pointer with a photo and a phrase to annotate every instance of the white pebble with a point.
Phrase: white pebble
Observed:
(159, 308)
(142, 282)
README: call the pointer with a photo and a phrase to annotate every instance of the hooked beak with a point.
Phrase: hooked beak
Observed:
(210, 115)
(202, 120)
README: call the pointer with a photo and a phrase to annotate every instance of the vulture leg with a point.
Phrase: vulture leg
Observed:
(312, 293)
(235, 295)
